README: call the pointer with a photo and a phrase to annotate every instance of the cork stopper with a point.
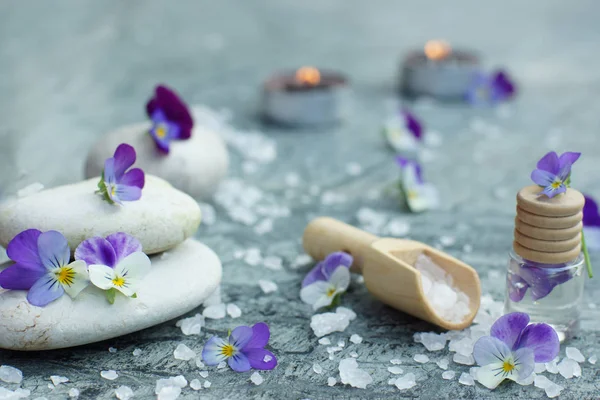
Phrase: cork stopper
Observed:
(547, 230)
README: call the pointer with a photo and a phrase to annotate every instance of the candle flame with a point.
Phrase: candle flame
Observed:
(437, 49)
(308, 76)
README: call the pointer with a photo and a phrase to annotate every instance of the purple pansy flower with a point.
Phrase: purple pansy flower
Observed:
(117, 184)
(513, 348)
(490, 89)
(418, 195)
(591, 223)
(327, 280)
(553, 172)
(171, 119)
(403, 132)
(42, 266)
(539, 279)
(115, 263)
(243, 349)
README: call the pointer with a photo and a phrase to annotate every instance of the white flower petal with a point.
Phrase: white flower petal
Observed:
(311, 294)
(134, 267)
(101, 276)
(340, 278)
(491, 375)
(80, 280)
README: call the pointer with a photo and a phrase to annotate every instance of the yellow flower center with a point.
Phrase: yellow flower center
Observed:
(228, 350)
(508, 366)
(412, 194)
(65, 276)
(119, 281)
(161, 131)
(556, 184)
(330, 291)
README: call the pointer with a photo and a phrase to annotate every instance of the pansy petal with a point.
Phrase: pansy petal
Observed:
(134, 177)
(525, 364)
(175, 110)
(517, 287)
(53, 249)
(490, 375)
(123, 245)
(565, 161)
(551, 192)
(212, 353)
(315, 274)
(20, 277)
(334, 260)
(312, 293)
(260, 336)
(489, 350)
(413, 125)
(23, 249)
(340, 278)
(101, 276)
(109, 171)
(542, 339)
(124, 158)
(591, 217)
(239, 363)
(240, 336)
(96, 250)
(508, 328)
(542, 178)
(132, 269)
(80, 280)
(128, 193)
(44, 291)
(549, 163)
(257, 357)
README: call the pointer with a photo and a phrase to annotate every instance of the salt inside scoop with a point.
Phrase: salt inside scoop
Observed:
(448, 302)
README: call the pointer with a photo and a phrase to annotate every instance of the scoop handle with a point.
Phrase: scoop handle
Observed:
(326, 235)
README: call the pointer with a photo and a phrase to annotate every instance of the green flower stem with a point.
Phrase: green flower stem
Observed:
(586, 256)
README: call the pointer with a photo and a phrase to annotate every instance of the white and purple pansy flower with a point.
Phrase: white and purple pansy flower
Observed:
(327, 281)
(42, 266)
(171, 119)
(490, 89)
(418, 195)
(513, 348)
(553, 172)
(118, 184)
(403, 132)
(243, 349)
(115, 263)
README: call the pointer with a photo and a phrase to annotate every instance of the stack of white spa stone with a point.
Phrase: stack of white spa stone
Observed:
(184, 271)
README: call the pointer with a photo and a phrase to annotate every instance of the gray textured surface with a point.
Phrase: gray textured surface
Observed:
(72, 70)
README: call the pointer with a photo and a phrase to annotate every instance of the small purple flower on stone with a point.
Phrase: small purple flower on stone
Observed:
(418, 195)
(117, 184)
(513, 348)
(403, 132)
(42, 267)
(171, 119)
(591, 223)
(553, 172)
(243, 349)
(328, 280)
(115, 263)
(490, 89)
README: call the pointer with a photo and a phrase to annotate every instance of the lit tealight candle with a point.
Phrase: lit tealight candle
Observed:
(439, 71)
(305, 97)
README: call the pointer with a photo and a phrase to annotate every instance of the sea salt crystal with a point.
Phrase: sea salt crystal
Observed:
(256, 378)
(182, 352)
(466, 379)
(331, 381)
(524, 382)
(396, 361)
(222, 365)
(324, 324)
(463, 346)
(421, 358)
(30, 189)
(6, 394)
(552, 366)
(112, 350)
(397, 227)
(352, 375)
(333, 349)
(353, 169)
(324, 341)
(448, 375)
(593, 359)
(356, 339)
(57, 379)
(292, 179)
(354, 354)
(443, 363)
(462, 359)
(207, 384)
(195, 384)
(273, 263)
(169, 393)
(73, 393)
(433, 341)
(371, 220)
(406, 382)
(341, 343)
(317, 368)
(192, 325)
(204, 374)
(473, 372)
(569, 368)
(123, 392)
(267, 286)
(331, 198)
(10, 374)
(178, 381)
(347, 312)
(447, 241)
(216, 311)
(539, 368)
(395, 370)
(264, 226)
(111, 374)
(574, 354)
(301, 260)
(551, 388)
(253, 257)
(233, 310)
(137, 352)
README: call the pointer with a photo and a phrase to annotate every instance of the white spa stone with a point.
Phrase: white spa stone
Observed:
(173, 287)
(160, 220)
(195, 166)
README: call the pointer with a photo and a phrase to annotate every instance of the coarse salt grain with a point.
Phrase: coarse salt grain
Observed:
(267, 286)
(256, 378)
(574, 354)
(184, 353)
(356, 339)
(421, 358)
(111, 374)
(123, 392)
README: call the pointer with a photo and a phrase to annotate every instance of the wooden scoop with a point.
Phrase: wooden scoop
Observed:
(387, 266)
